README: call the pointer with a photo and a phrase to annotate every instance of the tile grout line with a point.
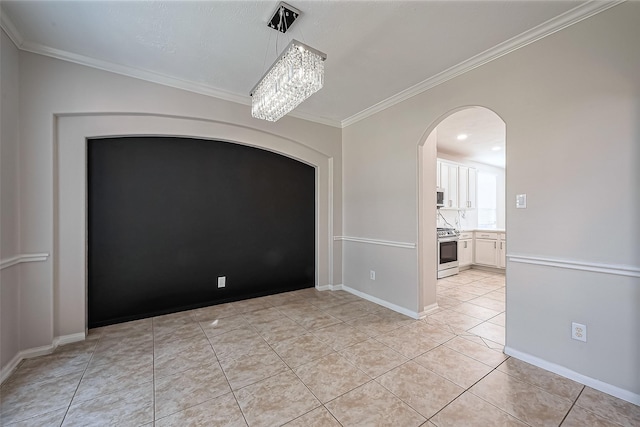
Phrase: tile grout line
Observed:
(375, 339)
(285, 364)
(537, 387)
(572, 405)
(80, 382)
(291, 369)
(307, 331)
(468, 389)
(223, 373)
(458, 335)
(287, 367)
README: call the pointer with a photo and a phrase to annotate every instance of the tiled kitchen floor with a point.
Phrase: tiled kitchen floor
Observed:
(306, 358)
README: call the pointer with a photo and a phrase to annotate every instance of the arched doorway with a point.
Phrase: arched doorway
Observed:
(462, 273)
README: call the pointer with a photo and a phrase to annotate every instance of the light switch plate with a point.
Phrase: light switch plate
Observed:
(521, 201)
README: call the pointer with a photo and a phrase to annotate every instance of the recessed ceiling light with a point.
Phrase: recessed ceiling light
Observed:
(497, 148)
(462, 137)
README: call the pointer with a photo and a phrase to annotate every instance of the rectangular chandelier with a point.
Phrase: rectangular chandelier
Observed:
(297, 74)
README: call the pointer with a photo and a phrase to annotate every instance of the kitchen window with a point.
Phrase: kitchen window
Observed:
(487, 200)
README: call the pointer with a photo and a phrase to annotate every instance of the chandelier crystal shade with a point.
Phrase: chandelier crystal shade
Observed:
(297, 74)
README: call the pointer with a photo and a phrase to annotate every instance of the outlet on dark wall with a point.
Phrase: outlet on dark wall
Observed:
(168, 216)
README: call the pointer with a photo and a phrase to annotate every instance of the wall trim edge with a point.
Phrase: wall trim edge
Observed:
(406, 245)
(18, 259)
(610, 389)
(329, 288)
(390, 306)
(68, 339)
(619, 270)
(427, 310)
(7, 370)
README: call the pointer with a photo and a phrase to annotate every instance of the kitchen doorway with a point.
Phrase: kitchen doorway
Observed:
(463, 162)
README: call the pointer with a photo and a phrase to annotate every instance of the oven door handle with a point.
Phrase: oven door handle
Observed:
(447, 239)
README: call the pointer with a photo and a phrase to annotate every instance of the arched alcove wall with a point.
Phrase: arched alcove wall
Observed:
(71, 214)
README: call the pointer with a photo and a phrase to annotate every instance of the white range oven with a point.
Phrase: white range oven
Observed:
(447, 252)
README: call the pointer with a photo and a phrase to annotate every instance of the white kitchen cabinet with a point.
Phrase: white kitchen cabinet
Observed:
(465, 249)
(502, 250)
(467, 185)
(486, 252)
(449, 183)
(490, 249)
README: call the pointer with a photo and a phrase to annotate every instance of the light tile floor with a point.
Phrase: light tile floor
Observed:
(306, 358)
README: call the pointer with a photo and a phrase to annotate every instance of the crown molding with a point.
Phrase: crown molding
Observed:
(128, 71)
(10, 29)
(575, 15)
(316, 119)
(199, 88)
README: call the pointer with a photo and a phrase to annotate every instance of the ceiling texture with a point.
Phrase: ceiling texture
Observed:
(378, 52)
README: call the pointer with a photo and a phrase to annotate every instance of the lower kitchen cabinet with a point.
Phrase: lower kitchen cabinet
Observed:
(490, 249)
(465, 249)
(486, 252)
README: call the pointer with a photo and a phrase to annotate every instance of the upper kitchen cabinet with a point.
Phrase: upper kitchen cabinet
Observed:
(459, 184)
(467, 186)
(449, 183)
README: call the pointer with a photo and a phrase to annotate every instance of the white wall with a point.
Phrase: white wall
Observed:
(9, 193)
(570, 103)
(56, 94)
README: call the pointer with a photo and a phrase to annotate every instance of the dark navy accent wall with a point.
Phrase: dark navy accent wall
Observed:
(167, 216)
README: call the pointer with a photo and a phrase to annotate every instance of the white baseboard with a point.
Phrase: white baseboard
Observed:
(329, 288)
(487, 268)
(68, 339)
(38, 351)
(428, 309)
(10, 367)
(618, 392)
(24, 354)
(397, 308)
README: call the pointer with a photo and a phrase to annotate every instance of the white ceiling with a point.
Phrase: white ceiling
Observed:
(378, 52)
(485, 132)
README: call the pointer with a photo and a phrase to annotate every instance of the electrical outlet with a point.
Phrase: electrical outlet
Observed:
(222, 281)
(578, 332)
(372, 275)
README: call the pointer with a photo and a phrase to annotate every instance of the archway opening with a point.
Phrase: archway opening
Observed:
(463, 269)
